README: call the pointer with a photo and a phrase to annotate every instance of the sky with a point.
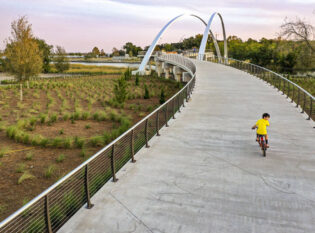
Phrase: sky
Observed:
(79, 25)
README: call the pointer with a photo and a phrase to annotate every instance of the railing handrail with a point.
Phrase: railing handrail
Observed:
(52, 187)
(279, 75)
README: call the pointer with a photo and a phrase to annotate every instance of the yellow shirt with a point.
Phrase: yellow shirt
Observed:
(262, 126)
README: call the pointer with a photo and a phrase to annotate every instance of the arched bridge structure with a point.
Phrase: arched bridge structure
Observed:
(203, 44)
(193, 165)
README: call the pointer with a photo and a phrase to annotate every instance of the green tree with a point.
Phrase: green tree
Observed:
(137, 80)
(23, 56)
(146, 92)
(287, 62)
(46, 51)
(61, 61)
(120, 90)
(96, 51)
(131, 49)
(162, 96)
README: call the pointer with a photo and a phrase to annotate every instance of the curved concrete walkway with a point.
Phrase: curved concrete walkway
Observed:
(206, 173)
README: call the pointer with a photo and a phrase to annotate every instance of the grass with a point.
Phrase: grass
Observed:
(4, 151)
(60, 158)
(29, 156)
(20, 168)
(92, 69)
(26, 176)
(49, 171)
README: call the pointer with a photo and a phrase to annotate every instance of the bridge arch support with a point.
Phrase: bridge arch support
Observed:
(148, 54)
(205, 38)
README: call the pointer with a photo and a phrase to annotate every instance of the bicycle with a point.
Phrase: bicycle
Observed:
(262, 144)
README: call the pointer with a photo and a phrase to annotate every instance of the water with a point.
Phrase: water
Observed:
(131, 65)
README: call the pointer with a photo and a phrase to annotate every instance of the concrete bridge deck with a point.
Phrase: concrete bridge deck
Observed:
(206, 173)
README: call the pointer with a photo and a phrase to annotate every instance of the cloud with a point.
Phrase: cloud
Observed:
(81, 24)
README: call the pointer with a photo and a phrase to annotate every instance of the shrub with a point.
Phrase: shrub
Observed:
(78, 142)
(127, 74)
(43, 118)
(20, 168)
(146, 92)
(60, 158)
(85, 115)
(137, 80)
(3, 151)
(162, 97)
(67, 143)
(61, 131)
(87, 126)
(82, 153)
(97, 141)
(120, 90)
(66, 116)
(29, 156)
(43, 142)
(49, 171)
(53, 118)
(26, 175)
(57, 142)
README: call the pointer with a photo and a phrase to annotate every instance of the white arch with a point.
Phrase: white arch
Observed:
(148, 54)
(205, 38)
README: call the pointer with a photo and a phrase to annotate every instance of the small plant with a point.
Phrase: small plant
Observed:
(85, 115)
(20, 168)
(146, 92)
(88, 126)
(162, 97)
(82, 153)
(26, 175)
(43, 142)
(29, 156)
(120, 90)
(3, 151)
(49, 171)
(67, 143)
(61, 131)
(78, 142)
(53, 118)
(42, 118)
(137, 80)
(60, 158)
(66, 116)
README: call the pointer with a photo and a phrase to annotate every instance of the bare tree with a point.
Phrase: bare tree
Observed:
(298, 30)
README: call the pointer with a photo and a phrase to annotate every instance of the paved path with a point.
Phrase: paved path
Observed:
(206, 173)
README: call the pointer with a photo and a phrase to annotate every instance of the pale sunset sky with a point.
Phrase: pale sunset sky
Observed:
(79, 25)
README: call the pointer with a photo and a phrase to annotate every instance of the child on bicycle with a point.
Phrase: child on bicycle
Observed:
(261, 126)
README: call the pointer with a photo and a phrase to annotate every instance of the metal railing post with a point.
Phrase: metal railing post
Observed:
(112, 164)
(157, 124)
(87, 190)
(311, 110)
(298, 99)
(292, 94)
(47, 215)
(178, 102)
(132, 146)
(146, 134)
(288, 92)
(166, 115)
(283, 87)
(183, 99)
(173, 108)
(304, 101)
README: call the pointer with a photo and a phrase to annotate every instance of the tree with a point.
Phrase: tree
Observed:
(102, 53)
(96, 51)
(61, 61)
(46, 51)
(287, 62)
(131, 49)
(298, 30)
(146, 92)
(120, 90)
(115, 52)
(23, 56)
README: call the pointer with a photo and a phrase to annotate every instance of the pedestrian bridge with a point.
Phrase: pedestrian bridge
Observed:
(206, 173)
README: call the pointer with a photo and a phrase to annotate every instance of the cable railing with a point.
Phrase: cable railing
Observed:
(294, 92)
(50, 210)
